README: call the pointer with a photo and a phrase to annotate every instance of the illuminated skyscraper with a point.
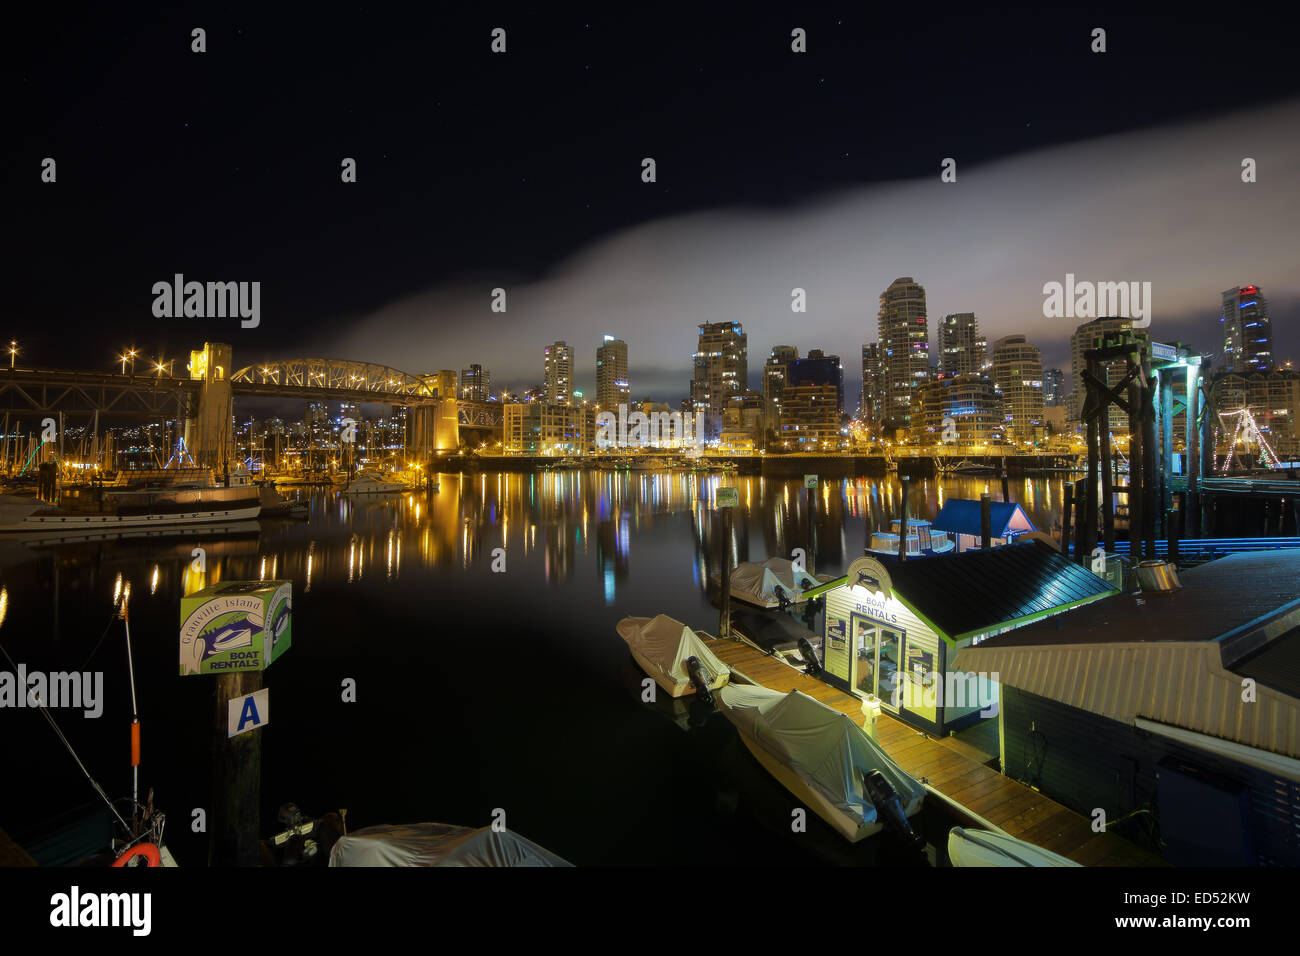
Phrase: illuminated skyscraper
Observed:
(905, 344)
(559, 374)
(1018, 374)
(873, 385)
(962, 350)
(1247, 331)
(721, 371)
(612, 387)
(475, 384)
(774, 379)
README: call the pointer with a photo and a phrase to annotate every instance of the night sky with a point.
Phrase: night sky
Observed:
(523, 170)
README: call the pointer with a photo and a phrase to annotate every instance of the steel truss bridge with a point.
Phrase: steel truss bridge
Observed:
(50, 391)
(157, 397)
(317, 379)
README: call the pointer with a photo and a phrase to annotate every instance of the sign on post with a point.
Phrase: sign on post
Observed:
(810, 482)
(728, 497)
(248, 713)
(235, 626)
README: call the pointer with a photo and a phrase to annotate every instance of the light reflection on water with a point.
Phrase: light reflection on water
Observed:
(452, 658)
(557, 524)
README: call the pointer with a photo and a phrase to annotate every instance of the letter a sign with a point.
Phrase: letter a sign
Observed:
(248, 713)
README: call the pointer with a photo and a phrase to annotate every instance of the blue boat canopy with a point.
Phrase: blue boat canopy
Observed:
(962, 516)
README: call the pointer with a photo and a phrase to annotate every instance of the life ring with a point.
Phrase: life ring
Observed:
(147, 850)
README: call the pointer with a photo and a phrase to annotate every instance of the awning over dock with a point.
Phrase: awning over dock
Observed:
(962, 516)
(1176, 659)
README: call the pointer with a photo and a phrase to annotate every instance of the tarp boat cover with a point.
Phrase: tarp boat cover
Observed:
(438, 844)
(662, 645)
(985, 848)
(757, 583)
(824, 747)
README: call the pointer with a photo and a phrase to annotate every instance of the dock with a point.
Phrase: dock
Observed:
(11, 854)
(952, 768)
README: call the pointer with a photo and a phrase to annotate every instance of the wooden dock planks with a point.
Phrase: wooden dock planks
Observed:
(954, 771)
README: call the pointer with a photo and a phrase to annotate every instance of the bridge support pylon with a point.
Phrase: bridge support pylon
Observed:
(433, 429)
(210, 425)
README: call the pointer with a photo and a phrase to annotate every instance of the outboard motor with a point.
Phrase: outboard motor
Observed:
(889, 808)
(813, 666)
(700, 679)
(782, 598)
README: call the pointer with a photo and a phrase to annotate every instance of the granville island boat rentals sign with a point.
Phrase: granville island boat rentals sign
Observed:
(235, 626)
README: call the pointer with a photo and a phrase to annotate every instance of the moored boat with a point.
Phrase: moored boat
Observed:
(674, 655)
(439, 844)
(975, 847)
(824, 759)
(369, 484)
(775, 583)
(125, 511)
(967, 467)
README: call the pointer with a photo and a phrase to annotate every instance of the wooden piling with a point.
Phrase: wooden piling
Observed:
(235, 821)
(724, 620)
(986, 521)
(904, 481)
(1067, 509)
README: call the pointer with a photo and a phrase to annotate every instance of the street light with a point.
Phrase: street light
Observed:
(13, 351)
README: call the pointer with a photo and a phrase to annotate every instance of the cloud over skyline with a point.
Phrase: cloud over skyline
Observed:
(1164, 205)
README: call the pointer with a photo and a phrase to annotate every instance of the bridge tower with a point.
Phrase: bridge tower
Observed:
(209, 427)
(435, 428)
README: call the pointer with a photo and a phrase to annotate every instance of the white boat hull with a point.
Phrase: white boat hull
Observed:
(846, 826)
(670, 686)
(985, 848)
(43, 526)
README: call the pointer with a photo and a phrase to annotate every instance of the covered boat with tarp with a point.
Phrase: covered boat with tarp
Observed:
(824, 759)
(439, 844)
(775, 583)
(975, 847)
(673, 654)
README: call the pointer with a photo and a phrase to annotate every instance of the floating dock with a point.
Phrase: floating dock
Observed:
(953, 768)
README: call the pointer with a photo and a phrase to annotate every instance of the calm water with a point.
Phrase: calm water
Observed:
(475, 690)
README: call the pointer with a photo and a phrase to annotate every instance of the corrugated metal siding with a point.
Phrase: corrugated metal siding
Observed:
(1177, 683)
(1089, 761)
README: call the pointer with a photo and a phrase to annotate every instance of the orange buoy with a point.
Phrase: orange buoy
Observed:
(147, 850)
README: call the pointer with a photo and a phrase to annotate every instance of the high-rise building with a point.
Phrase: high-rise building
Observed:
(1247, 331)
(476, 384)
(1053, 388)
(1018, 374)
(559, 374)
(962, 350)
(818, 368)
(810, 418)
(721, 371)
(873, 385)
(1089, 336)
(973, 404)
(774, 379)
(612, 389)
(905, 341)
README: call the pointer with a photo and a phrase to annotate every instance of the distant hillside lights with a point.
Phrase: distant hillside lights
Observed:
(656, 430)
(1093, 300)
(211, 300)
